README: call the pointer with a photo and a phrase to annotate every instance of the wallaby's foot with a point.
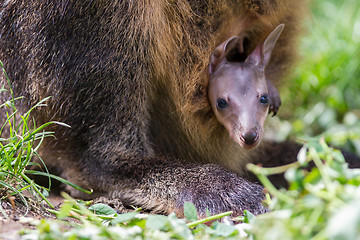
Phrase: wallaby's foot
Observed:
(222, 192)
(275, 100)
(114, 203)
(165, 189)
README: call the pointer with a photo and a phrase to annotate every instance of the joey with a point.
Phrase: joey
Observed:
(239, 93)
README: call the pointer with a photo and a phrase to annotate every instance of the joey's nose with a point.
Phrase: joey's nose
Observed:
(250, 138)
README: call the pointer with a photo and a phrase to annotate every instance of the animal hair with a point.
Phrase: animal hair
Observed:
(130, 77)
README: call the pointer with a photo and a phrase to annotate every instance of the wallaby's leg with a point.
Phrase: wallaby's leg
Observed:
(162, 185)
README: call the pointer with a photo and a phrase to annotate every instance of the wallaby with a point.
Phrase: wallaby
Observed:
(238, 91)
(129, 78)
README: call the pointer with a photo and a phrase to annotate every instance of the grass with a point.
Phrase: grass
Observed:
(99, 221)
(19, 143)
(320, 204)
(326, 86)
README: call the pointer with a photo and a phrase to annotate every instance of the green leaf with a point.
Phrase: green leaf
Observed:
(345, 222)
(45, 192)
(190, 211)
(248, 217)
(102, 209)
(338, 156)
(314, 143)
(125, 217)
(157, 222)
(64, 210)
(179, 228)
(224, 230)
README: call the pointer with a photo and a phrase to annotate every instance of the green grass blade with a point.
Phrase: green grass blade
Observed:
(33, 185)
(59, 179)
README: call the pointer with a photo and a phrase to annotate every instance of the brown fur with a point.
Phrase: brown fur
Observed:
(130, 79)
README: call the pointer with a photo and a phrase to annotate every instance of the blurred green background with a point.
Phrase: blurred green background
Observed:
(323, 96)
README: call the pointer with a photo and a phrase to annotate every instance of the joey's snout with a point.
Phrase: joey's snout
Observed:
(245, 138)
(249, 138)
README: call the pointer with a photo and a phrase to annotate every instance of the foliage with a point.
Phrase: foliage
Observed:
(20, 139)
(326, 86)
(321, 203)
(100, 221)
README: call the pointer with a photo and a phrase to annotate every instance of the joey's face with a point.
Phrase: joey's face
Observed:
(239, 98)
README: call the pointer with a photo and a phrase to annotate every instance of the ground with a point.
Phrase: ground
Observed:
(19, 217)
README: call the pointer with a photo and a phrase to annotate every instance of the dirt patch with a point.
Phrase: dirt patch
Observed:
(16, 216)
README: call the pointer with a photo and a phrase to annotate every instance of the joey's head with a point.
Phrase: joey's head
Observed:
(238, 91)
(239, 98)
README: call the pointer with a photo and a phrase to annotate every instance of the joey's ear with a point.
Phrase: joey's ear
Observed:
(270, 42)
(219, 54)
(262, 53)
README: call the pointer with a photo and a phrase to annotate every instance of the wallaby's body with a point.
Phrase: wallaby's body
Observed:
(128, 77)
(238, 90)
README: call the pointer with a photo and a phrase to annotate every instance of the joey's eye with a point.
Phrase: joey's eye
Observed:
(221, 103)
(264, 99)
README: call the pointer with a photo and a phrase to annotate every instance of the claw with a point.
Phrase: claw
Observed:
(275, 100)
(274, 104)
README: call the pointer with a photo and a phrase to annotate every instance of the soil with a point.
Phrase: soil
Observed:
(15, 216)
(18, 216)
